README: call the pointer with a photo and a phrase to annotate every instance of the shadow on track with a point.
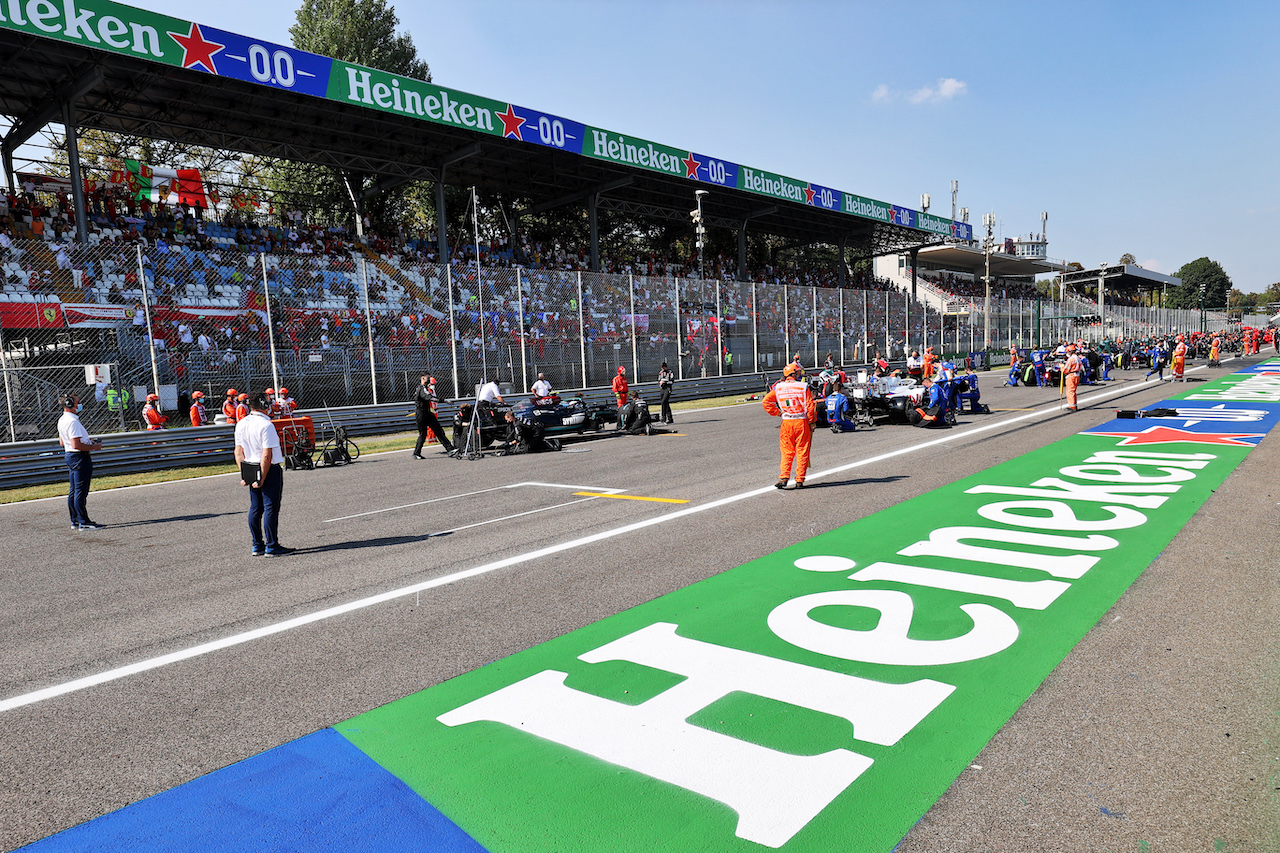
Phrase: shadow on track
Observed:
(379, 542)
(859, 481)
(200, 516)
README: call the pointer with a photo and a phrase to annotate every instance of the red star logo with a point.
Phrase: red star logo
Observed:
(197, 51)
(808, 195)
(691, 166)
(511, 123)
(1166, 435)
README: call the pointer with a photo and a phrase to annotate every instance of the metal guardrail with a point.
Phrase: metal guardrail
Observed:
(32, 463)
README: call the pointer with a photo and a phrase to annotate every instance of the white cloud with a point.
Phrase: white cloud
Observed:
(882, 95)
(946, 89)
(1154, 266)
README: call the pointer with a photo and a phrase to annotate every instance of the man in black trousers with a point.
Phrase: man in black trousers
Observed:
(425, 401)
(666, 381)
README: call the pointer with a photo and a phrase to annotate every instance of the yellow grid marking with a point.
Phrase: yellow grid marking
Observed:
(630, 497)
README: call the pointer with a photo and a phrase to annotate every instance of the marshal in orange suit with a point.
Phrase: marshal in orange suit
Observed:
(792, 400)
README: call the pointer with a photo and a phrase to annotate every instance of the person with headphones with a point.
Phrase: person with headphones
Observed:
(77, 444)
(258, 453)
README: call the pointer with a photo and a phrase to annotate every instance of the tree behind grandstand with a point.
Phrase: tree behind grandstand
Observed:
(1217, 285)
(362, 32)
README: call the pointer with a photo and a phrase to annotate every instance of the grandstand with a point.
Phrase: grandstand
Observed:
(357, 315)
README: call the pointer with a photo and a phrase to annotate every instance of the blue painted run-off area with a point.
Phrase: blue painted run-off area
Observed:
(317, 793)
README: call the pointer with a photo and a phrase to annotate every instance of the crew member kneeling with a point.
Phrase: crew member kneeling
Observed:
(838, 410)
(932, 411)
(525, 436)
(793, 401)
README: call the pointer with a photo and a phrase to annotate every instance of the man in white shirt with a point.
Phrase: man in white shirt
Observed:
(258, 444)
(489, 393)
(78, 444)
(541, 388)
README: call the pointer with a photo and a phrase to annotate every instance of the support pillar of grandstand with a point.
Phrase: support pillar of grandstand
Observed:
(6, 160)
(442, 214)
(915, 257)
(755, 332)
(442, 235)
(77, 185)
(840, 274)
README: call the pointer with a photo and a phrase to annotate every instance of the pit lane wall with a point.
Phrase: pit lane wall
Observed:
(818, 698)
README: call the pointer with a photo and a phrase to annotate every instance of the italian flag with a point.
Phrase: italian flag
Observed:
(158, 184)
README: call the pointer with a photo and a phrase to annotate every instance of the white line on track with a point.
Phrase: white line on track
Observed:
(470, 494)
(517, 515)
(383, 597)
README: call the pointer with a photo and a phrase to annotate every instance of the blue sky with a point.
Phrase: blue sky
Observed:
(1140, 127)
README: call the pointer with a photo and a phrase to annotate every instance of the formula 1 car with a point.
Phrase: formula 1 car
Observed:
(564, 416)
(888, 397)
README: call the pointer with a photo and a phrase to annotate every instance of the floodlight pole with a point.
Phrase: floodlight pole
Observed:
(699, 231)
(989, 222)
(1102, 299)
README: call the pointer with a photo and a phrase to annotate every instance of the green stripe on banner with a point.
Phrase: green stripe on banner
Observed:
(819, 698)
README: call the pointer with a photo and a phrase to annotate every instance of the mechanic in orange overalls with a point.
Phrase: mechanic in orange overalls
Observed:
(793, 401)
(1179, 358)
(229, 407)
(242, 407)
(1214, 352)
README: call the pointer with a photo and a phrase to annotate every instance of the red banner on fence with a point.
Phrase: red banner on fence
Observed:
(31, 315)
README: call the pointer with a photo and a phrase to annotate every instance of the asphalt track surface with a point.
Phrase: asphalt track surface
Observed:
(1159, 731)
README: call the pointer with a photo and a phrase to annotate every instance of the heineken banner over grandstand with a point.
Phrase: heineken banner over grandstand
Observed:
(147, 35)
